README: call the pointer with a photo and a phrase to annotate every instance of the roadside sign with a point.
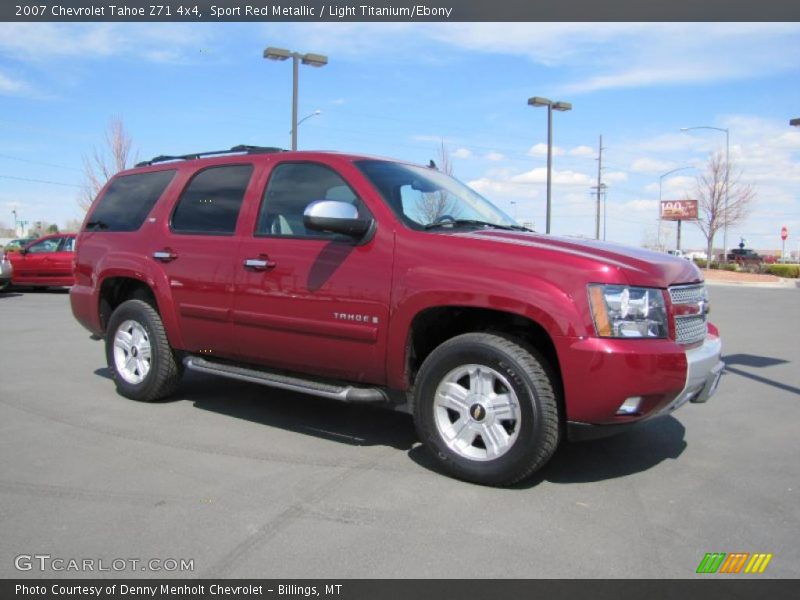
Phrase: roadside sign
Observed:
(784, 233)
(679, 210)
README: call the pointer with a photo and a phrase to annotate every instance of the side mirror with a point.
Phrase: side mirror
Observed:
(335, 217)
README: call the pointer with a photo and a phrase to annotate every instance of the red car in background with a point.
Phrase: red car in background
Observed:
(44, 262)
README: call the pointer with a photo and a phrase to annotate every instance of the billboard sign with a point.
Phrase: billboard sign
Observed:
(679, 210)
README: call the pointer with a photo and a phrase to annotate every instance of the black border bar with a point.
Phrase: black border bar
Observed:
(400, 10)
(707, 587)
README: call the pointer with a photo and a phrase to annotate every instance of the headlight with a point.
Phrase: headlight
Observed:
(628, 312)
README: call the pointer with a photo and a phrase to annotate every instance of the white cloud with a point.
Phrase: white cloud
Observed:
(651, 165)
(582, 151)
(623, 55)
(10, 87)
(428, 138)
(502, 190)
(541, 150)
(494, 156)
(645, 77)
(642, 206)
(154, 42)
(539, 175)
(462, 153)
(615, 177)
(505, 184)
(617, 55)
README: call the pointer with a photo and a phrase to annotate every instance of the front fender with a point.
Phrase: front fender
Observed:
(532, 298)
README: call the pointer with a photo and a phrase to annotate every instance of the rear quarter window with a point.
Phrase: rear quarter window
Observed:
(128, 200)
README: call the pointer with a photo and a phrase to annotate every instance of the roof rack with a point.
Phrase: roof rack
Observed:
(241, 148)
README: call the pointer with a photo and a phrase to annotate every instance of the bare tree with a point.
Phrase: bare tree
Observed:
(104, 162)
(716, 209)
(432, 206)
(72, 225)
(653, 239)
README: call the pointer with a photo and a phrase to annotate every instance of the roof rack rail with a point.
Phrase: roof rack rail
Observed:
(235, 150)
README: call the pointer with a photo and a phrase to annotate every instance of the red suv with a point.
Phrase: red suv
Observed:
(369, 280)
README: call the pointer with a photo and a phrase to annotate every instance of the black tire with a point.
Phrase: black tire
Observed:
(165, 370)
(529, 377)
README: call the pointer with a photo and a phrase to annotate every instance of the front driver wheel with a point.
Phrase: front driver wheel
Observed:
(485, 406)
(138, 353)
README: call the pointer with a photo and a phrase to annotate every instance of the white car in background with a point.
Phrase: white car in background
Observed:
(696, 256)
(678, 253)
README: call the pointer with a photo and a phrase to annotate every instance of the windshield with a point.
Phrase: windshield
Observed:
(425, 198)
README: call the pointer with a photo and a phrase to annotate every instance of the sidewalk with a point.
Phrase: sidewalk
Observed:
(717, 277)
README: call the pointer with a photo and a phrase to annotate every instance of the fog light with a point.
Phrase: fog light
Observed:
(630, 406)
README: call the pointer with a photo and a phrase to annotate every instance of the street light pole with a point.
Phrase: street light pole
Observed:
(295, 77)
(727, 183)
(307, 117)
(560, 106)
(314, 60)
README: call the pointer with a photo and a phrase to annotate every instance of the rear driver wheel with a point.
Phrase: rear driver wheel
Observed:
(141, 361)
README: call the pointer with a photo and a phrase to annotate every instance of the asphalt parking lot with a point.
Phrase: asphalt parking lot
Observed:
(246, 481)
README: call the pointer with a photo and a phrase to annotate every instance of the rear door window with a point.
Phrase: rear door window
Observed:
(210, 203)
(128, 200)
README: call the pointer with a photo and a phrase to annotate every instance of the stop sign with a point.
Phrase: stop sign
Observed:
(784, 232)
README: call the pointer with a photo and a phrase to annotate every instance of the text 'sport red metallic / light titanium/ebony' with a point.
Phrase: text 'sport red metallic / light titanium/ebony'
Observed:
(377, 281)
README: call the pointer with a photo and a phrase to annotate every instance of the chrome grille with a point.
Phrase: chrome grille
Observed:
(690, 329)
(687, 294)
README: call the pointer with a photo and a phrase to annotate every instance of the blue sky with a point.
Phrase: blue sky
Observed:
(399, 89)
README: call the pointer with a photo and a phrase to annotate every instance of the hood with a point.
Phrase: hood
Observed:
(640, 266)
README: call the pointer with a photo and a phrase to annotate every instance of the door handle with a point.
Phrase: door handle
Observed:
(165, 255)
(259, 264)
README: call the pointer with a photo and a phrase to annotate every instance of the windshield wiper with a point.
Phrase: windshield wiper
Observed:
(476, 223)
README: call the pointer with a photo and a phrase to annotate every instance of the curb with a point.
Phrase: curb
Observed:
(782, 283)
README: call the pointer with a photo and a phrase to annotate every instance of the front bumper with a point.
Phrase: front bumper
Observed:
(653, 378)
(704, 370)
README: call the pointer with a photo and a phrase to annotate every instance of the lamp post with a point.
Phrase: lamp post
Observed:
(551, 106)
(314, 60)
(727, 181)
(660, 185)
(14, 212)
(307, 117)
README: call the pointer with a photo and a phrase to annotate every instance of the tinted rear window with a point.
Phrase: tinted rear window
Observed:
(128, 200)
(211, 201)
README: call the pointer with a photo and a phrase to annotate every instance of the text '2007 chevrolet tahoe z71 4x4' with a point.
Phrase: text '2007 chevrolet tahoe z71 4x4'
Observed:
(370, 280)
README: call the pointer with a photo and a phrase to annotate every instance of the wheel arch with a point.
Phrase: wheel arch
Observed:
(434, 325)
(118, 286)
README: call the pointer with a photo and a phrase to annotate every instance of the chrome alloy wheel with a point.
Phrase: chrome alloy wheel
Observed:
(132, 352)
(477, 412)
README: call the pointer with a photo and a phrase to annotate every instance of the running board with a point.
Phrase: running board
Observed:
(343, 393)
